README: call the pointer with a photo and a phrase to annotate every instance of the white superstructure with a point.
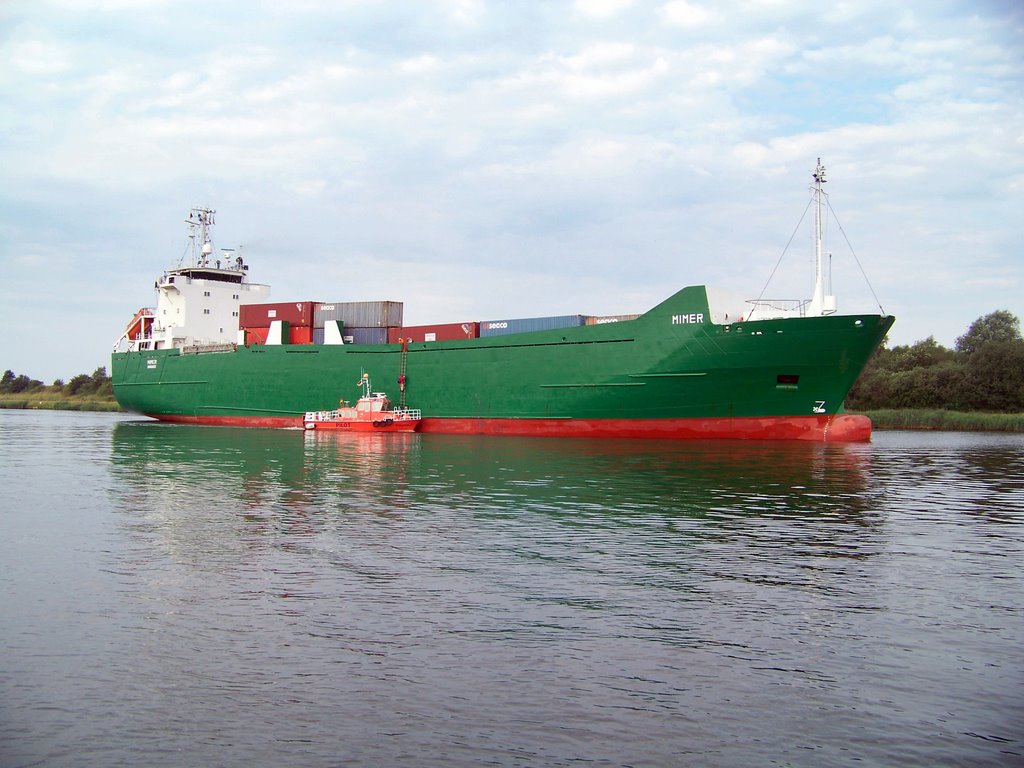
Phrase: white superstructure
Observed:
(197, 305)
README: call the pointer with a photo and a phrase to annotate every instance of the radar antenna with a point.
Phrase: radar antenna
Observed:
(199, 222)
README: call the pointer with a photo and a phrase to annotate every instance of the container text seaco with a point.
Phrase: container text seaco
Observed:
(687, 319)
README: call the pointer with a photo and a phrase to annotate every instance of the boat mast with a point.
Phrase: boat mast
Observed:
(818, 304)
(201, 219)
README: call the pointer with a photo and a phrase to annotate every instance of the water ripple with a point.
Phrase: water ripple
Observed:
(216, 596)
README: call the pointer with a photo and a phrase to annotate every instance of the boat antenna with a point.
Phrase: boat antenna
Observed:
(199, 222)
(818, 298)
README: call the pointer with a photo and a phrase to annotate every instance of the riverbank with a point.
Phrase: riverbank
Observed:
(947, 421)
(44, 401)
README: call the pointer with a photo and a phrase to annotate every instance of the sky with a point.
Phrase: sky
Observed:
(484, 159)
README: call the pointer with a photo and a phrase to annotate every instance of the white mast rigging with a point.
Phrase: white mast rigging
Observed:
(821, 304)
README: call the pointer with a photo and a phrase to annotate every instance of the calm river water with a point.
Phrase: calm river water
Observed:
(189, 596)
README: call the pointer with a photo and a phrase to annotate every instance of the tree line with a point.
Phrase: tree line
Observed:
(983, 372)
(98, 385)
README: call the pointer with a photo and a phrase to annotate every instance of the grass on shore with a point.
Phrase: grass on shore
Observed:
(51, 401)
(950, 421)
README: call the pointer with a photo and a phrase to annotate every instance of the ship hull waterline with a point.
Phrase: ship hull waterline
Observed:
(843, 427)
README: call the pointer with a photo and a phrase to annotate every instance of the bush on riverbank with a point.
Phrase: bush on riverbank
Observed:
(983, 374)
(81, 393)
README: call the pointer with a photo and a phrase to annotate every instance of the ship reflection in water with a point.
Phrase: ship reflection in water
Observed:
(599, 481)
(238, 490)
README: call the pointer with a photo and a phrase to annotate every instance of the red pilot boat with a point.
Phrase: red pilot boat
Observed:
(372, 413)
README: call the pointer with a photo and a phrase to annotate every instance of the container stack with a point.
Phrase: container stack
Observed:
(363, 322)
(256, 319)
(526, 324)
(380, 322)
(602, 319)
(435, 332)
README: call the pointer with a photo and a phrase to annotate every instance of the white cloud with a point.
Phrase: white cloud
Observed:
(424, 64)
(466, 12)
(104, 6)
(39, 57)
(600, 9)
(685, 14)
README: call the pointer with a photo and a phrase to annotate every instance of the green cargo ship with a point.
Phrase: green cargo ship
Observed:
(695, 366)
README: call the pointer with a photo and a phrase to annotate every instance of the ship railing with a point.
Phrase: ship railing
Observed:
(768, 309)
(399, 414)
(199, 349)
(320, 416)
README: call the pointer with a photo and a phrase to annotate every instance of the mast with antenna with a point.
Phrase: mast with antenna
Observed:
(201, 219)
(821, 304)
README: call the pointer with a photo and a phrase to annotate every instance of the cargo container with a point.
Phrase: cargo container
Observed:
(365, 335)
(524, 324)
(602, 319)
(301, 335)
(359, 314)
(436, 332)
(295, 313)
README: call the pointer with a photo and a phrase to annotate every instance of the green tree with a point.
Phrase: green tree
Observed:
(936, 386)
(1000, 325)
(101, 383)
(79, 385)
(16, 384)
(920, 375)
(985, 373)
(995, 376)
(919, 355)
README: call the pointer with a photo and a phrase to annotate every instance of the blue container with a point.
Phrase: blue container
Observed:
(365, 335)
(529, 324)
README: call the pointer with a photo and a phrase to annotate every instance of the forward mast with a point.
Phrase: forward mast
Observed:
(821, 304)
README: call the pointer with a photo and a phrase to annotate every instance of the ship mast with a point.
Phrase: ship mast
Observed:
(201, 219)
(820, 303)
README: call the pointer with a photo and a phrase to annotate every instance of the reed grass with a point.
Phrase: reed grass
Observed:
(48, 401)
(952, 421)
